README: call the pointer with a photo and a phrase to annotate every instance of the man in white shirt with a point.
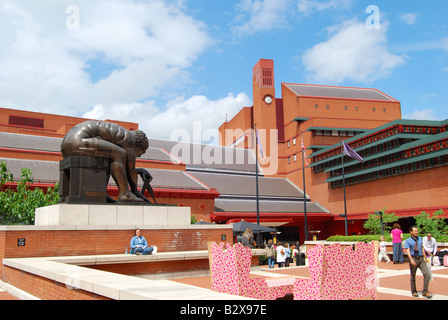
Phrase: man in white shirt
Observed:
(430, 245)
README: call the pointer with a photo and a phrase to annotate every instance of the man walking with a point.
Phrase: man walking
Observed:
(417, 256)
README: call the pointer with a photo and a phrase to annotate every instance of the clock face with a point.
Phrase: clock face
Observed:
(268, 99)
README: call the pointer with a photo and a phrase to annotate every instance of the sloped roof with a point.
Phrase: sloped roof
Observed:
(48, 171)
(38, 143)
(208, 156)
(250, 205)
(309, 90)
(245, 185)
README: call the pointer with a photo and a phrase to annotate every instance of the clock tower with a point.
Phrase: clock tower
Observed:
(264, 102)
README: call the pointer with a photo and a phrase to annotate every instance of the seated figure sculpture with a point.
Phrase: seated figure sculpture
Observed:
(110, 140)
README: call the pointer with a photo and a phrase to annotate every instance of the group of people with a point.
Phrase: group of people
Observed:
(420, 251)
(282, 254)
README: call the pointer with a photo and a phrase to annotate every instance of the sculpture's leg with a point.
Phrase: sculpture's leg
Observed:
(118, 169)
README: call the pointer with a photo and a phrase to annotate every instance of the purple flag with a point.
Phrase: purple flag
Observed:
(351, 153)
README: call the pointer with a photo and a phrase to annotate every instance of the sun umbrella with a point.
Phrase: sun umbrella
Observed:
(241, 226)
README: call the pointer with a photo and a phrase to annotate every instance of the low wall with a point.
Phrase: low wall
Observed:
(107, 276)
(35, 241)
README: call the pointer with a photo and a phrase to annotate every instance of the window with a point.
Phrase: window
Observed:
(346, 108)
(316, 106)
(295, 157)
(294, 141)
(356, 108)
(27, 122)
(289, 143)
(328, 107)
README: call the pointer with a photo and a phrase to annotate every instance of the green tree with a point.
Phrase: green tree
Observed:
(373, 223)
(18, 207)
(434, 224)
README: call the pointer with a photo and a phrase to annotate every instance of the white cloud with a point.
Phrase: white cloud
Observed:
(179, 113)
(352, 52)
(424, 114)
(408, 18)
(45, 66)
(307, 7)
(260, 15)
(182, 114)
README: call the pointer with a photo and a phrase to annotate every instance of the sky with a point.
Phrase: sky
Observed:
(175, 66)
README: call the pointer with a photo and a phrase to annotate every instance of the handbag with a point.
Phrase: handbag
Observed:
(436, 261)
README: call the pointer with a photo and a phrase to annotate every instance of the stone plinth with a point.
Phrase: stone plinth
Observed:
(111, 215)
(83, 179)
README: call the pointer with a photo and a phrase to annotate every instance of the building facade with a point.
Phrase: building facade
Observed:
(404, 166)
(218, 189)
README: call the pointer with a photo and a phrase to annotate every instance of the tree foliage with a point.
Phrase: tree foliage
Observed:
(18, 206)
(435, 224)
(373, 223)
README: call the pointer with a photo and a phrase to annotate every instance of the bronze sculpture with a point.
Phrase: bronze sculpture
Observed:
(99, 139)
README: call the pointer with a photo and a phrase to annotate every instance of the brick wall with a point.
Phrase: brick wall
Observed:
(45, 289)
(47, 243)
(51, 242)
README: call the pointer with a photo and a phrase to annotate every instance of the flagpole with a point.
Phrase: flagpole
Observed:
(304, 189)
(256, 182)
(256, 173)
(343, 185)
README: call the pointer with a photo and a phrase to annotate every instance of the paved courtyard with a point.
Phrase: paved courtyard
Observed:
(393, 281)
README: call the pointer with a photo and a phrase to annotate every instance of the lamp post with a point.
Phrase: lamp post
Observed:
(381, 219)
(345, 218)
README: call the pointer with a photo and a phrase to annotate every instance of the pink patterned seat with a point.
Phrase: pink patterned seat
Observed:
(230, 272)
(338, 273)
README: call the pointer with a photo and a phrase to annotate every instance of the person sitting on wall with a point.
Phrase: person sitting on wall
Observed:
(139, 245)
(110, 140)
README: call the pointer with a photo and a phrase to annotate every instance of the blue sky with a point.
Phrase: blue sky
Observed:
(170, 65)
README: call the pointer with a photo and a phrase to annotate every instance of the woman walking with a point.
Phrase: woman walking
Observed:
(397, 239)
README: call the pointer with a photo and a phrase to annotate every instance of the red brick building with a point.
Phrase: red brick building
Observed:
(405, 165)
(404, 171)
